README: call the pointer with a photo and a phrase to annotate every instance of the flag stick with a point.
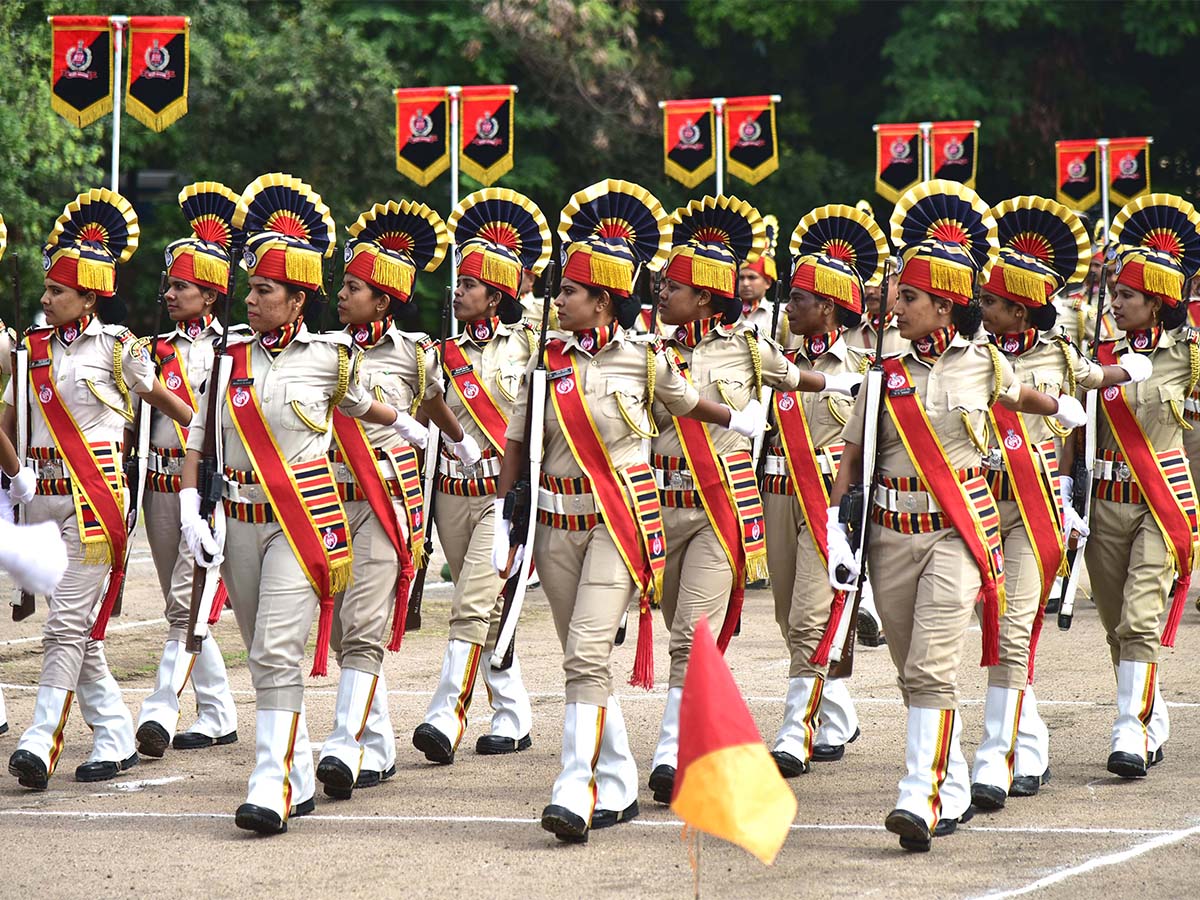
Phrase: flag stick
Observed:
(118, 51)
(454, 91)
(696, 883)
(926, 151)
(719, 141)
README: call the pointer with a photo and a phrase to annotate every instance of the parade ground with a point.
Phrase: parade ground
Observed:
(166, 827)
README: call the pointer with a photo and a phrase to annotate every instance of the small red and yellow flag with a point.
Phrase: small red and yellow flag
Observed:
(726, 782)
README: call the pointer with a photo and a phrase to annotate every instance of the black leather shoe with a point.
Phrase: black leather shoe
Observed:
(303, 809)
(495, 745)
(3, 728)
(946, 827)
(336, 777)
(833, 752)
(1127, 765)
(606, 818)
(789, 766)
(29, 769)
(1053, 605)
(564, 824)
(192, 740)
(914, 833)
(1028, 785)
(259, 819)
(662, 783)
(988, 796)
(152, 740)
(869, 632)
(434, 744)
(1154, 758)
(104, 770)
(369, 778)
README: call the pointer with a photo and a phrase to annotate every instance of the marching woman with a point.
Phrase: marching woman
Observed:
(934, 547)
(288, 541)
(1043, 247)
(835, 250)
(1143, 523)
(498, 234)
(83, 368)
(197, 277)
(599, 535)
(379, 480)
(712, 511)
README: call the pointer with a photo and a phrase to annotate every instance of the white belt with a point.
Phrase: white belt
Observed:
(1111, 470)
(777, 465)
(1191, 404)
(674, 480)
(488, 467)
(566, 504)
(49, 469)
(343, 475)
(905, 501)
(236, 492)
(164, 465)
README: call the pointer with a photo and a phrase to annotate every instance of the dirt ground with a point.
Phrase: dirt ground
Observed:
(166, 827)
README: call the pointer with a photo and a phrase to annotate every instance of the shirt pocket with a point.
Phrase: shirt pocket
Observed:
(1163, 403)
(1048, 381)
(735, 392)
(623, 400)
(95, 383)
(308, 408)
(967, 408)
(389, 388)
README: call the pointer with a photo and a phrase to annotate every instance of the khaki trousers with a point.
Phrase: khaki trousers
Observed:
(274, 606)
(696, 582)
(588, 588)
(465, 526)
(799, 582)
(360, 613)
(1132, 573)
(925, 588)
(69, 655)
(172, 560)
(1023, 588)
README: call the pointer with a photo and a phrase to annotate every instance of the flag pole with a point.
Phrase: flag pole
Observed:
(1102, 143)
(926, 151)
(696, 883)
(719, 141)
(118, 23)
(454, 91)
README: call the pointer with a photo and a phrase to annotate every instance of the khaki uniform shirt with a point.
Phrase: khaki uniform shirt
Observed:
(394, 371)
(305, 373)
(531, 310)
(963, 380)
(864, 337)
(826, 413)
(499, 365)
(83, 374)
(721, 369)
(612, 380)
(760, 318)
(1157, 402)
(196, 357)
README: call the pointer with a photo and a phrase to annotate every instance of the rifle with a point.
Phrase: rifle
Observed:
(1081, 469)
(854, 510)
(433, 447)
(23, 603)
(210, 482)
(519, 503)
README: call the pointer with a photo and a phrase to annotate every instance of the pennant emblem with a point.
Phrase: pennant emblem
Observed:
(157, 85)
(81, 68)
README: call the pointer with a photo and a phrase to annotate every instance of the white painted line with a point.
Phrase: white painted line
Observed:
(124, 626)
(132, 787)
(1097, 862)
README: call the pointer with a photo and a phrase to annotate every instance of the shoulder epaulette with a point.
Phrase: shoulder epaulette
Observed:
(120, 332)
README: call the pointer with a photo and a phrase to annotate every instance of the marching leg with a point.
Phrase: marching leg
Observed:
(105, 712)
(839, 722)
(446, 719)
(378, 741)
(995, 759)
(37, 753)
(512, 715)
(269, 798)
(1159, 728)
(342, 752)
(573, 797)
(616, 772)
(927, 760)
(956, 789)
(1032, 769)
(216, 722)
(160, 710)
(1135, 707)
(793, 745)
(666, 753)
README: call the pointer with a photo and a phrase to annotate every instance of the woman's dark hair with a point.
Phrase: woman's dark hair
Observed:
(508, 309)
(314, 305)
(111, 310)
(967, 319)
(1043, 317)
(847, 318)
(731, 309)
(1172, 317)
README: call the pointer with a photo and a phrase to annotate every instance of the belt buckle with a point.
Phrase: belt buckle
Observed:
(576, 504)
(472, 471)
(1121, 471)
(52, 469)
(174, 465)
(679, 480)
(341, 473)
(993, 459)
(910, 503)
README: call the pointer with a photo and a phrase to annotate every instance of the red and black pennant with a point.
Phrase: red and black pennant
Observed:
(752, 149)
(486, 133)
(1128, 168)
(157, 85)
(422, 136)
(689, 153)
(1078, 166)
(81, 73)
(897, 159)
(954, 146)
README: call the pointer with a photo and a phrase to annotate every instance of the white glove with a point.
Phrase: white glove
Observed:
(23, 486)
(1072, 522)
(842, 383)
(749, 421)
(840, 553)
(467, 450)
(201, 539)
(501, 543)
(1136, 366)
(410, 429)
(34, 555)
(1070, 412)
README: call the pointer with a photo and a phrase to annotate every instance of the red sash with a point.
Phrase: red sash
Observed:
(644, 556)
(360, 457)
(1178, 530)
(173, 375)
(475, 397)
(321, 548)
(742, 539)
(809, 484)
(939, 477)
(99, 506)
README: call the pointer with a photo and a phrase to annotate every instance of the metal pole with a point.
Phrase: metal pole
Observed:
(1103, 145)
(118, 51)
(719, 141)
(454, 91)
(926, 151)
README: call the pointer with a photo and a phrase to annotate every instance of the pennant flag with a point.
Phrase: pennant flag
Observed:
(689, 154)
(487, 127)
(81, 68)
(422, 137)
(1128, 168)
(726, 782)
(157, 87)
(751, 147)
(955, 146)
(1078, 166)
(897, 159)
